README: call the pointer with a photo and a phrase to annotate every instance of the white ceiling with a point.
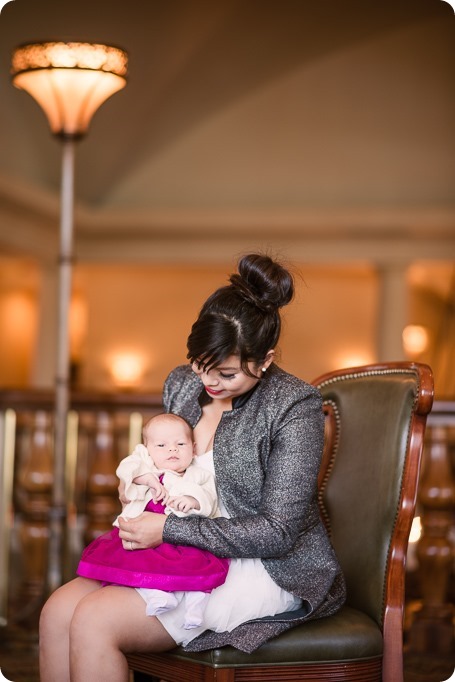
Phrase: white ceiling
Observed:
(324, 127)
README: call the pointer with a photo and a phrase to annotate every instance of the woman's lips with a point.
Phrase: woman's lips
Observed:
(212, 392)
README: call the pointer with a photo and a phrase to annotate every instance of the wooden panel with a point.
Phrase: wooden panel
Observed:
(175, 670)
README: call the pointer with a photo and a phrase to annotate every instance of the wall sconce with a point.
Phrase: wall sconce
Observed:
(415, 339)
(69, 81)
(127, 369)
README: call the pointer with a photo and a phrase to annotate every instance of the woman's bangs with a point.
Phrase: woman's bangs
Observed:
(213, 338)
(210, 359)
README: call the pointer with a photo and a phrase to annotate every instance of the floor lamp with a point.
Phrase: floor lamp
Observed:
(69, 81)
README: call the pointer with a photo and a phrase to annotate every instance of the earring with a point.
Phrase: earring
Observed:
(264, 369)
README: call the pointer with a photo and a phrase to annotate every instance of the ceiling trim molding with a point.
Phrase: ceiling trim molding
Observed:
(196, 249)
(30, 217)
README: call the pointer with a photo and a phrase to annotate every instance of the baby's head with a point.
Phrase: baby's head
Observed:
(169, 441)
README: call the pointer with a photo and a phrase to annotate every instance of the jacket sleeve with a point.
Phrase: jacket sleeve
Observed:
(288, 502)
(199, 484)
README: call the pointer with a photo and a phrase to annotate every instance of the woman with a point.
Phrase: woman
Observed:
(261, 430)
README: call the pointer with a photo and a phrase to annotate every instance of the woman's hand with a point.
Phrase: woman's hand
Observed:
(142, 532)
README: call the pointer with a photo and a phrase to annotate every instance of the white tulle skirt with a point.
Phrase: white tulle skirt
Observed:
(249, 592)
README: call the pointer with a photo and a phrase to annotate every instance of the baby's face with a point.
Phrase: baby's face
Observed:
(169, 444)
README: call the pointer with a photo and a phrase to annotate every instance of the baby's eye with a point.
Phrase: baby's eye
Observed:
(181, 444)
(159, 445)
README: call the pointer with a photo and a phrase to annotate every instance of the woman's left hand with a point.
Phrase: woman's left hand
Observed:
(142, 532)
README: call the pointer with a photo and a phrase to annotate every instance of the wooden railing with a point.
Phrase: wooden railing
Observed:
(432, 628)
(102, 429)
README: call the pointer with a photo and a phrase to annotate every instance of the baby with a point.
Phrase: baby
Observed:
(167, 453)
(160, 476)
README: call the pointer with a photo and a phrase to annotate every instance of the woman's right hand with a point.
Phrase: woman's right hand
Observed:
(143, 531)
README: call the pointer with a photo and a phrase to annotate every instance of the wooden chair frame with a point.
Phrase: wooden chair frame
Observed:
(217, 665)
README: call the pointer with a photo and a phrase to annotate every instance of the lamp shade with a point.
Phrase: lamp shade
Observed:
(69, 81)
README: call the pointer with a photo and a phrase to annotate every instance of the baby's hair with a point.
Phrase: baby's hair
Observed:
(169, 416)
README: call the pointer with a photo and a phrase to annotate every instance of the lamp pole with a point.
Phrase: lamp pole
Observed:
(58, 510)
(69, 81)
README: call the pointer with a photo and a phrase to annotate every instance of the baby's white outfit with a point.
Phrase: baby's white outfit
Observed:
(195, 481)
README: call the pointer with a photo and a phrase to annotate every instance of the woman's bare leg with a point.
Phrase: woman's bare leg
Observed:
(55, 621)
(107, 624)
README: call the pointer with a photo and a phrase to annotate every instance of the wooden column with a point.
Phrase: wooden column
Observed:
(392, 311)
(432, 629)
(33, 495)
(102, 486)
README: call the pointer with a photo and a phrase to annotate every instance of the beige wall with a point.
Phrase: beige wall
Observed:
(150, 311)
(19, 283)
(143, 310)
(147, 311)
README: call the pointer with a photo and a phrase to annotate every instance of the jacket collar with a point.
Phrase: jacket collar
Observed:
(238, 401)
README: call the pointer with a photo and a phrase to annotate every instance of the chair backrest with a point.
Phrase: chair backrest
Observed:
(375, 418)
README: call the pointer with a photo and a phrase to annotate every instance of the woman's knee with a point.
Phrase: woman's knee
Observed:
(55, 615)
(114, 618)
(91, 620)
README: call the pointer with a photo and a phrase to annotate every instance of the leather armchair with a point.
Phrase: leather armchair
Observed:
(375, 422)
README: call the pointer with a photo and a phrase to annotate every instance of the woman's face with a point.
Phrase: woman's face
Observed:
(228, 380)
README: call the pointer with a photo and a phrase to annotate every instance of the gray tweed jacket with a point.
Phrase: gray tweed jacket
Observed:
(267, 454)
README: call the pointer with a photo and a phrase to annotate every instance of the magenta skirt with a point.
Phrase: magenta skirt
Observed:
(167, 567)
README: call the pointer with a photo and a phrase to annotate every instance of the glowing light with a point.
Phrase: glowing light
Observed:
(126, 369)
(353, 359)
(412, 563)
(416, 530)
(415, 339)
(78, 325)
(19, 311)
(70, 81)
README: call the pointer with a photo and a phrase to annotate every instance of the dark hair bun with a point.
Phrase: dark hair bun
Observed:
(263, 282)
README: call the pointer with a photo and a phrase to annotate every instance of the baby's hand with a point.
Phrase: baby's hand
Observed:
(183, 503)
(159, 492)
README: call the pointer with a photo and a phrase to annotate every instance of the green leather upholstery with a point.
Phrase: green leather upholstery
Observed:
(347, 635)
(362, 493)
